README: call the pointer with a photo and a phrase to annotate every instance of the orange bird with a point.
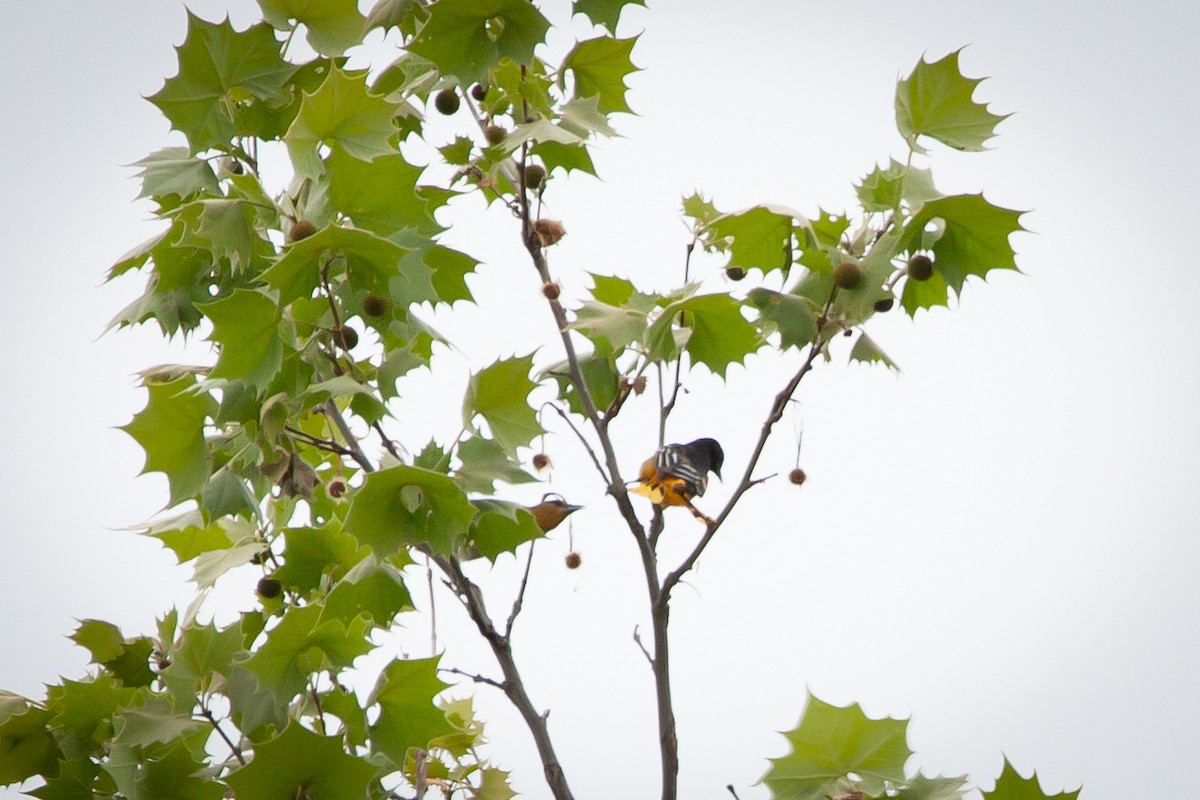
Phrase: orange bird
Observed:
(679, 472)
(550, 513)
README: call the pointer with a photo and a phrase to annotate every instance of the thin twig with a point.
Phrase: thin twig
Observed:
(321, 444)
(477, 678)
(516, 607)
(637, 637)
(582, 440)
(237, 752)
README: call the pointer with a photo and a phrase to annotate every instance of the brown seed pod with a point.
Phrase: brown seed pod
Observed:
(573, 560)
(346, 337)
(797, 476)
(446, 101)
(847, 275)
(735, 273)
(494, 134)
(535, 176)
(551, 290)
(302, 229)
(375, 305)
(639, 384)
(548, 231)
(479, 92)
(920, 267)
(269, 588)
(541, 461)
(337, 487)
(885, 304)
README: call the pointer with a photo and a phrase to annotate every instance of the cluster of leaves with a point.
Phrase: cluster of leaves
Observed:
(311, 299)
(841, 753)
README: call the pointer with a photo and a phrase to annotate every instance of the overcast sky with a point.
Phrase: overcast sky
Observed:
(1001, 542)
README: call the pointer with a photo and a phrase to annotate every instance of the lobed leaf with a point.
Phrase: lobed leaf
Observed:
(466, 38)
(600, 67)
(170, 429)
(935, 101)
(500, 394)
(333, 26)
(345, 115)
(299, 763)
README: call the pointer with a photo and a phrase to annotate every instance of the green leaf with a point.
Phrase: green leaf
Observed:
(935, 101)
(939, 788)
(789, 315)
(830, 743)
(600, 373)
(127, 660)
(300, 763)
(303, 643)
(600, 66)
(220, 70)
(407, 15)
(697, 208)
(407, 714)
(499, 393)
(973, 240)
(582, 116)
(86, 708)
(924, 294)
(502, 527)
(373, 264)
(494, 785)
(485, 461)
(1011, 786)
(174, 171)
(717, 334)
(155, 721)
(450, 269)
(75, 781)
(866, 351)
(384, 517)
(883, 189)
(333, 25)
(227, 494)
(171, 774)
(380, 195)
(618, 326)
(246, 327)
(187, 536)
(603, 12)
(371, 588)
(757, 238)
(343, 704)
(203, 651)
(171, 431)
(466, 38)
(310, 553)
(27, 748)
(102, 639)
(344, 115)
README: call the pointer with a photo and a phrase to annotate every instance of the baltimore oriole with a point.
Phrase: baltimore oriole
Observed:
(550, 513)
(679, 472)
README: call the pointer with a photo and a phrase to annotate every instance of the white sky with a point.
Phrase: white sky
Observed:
(1001, 542)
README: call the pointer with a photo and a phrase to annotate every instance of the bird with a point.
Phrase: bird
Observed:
(678, 472)
(551, 511)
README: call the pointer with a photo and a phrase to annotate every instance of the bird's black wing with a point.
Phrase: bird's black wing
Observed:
(673, 460)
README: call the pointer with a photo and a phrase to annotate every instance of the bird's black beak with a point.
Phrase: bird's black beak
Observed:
(570, 509)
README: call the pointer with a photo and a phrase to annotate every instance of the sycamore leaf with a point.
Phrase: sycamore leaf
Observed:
(85, 708)
(924, 294)
(246, 328)
(603, 12)
(494, 785)
(600, 373)
(302, 643)
(502, 527)
(500, 394)
(406, 506)
(935, 101)
(299, 763)
(27, 747)
(618, 326)
(170, 429)
(939, 788)
(717, 333)
(127, 660)
(883, 189)
(757, 238)
(830, 743)
(791, 316)
(167, 774)
(407, 714)
(466, 38)
(582, 116)
(567, 156)
(380, 195)
(407, 15)
(600, 66)
(155, 721)
(310, 553)
(697, 208)
(333, 25)
(344, 115)
(175, 171)
(373, 264)
(866, 351)
(343, 704)
(1011, 786)
(974, 239)
(485, 461)
(220, 70)
(371, 588)
(202, 652)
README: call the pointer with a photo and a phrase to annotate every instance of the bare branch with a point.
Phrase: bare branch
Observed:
(477, 678)
(516, 607)
(582, 440)
(237, 751)
(637, 637)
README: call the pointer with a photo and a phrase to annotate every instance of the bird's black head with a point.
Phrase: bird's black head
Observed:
(708, 454)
